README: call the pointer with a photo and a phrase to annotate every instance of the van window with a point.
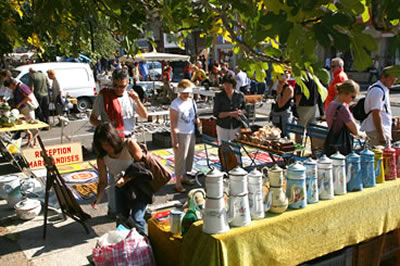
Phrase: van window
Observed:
(74, 77)
(25, 78)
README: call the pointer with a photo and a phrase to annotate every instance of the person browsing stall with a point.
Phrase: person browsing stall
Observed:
(21, 94)
(115, 155)
(339, 108)
(229, 107)
(183, 119)
(378, 124)
(118, 106)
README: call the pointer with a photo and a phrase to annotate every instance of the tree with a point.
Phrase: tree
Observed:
(282, 32)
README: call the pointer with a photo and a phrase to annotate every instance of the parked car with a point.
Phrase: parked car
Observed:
(76, 79)
(155, 70)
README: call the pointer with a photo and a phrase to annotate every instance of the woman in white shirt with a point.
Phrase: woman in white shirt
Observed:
(183, 117)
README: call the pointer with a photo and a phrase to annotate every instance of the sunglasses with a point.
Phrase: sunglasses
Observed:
(353, 97)
(120, 86)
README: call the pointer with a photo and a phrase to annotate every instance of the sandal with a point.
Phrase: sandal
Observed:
(180, 189)
(187, 182)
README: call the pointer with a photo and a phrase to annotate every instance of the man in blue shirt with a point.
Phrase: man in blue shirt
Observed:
(144, 70)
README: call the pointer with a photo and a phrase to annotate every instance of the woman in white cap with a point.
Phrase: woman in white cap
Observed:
(183, 117)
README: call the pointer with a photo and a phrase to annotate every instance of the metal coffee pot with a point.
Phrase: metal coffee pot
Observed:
(215, 216)
(339, 173)
(296, 183)
(389, 158)
(276, 200)
(311, 180)
(367, 168)
(353, 173)
(379, 167)
(256, 201)
(239, 207)
(325, 178)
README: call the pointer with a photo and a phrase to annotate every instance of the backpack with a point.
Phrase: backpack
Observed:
(358, 109)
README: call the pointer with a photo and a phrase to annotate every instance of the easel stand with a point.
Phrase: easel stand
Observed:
(69, 205)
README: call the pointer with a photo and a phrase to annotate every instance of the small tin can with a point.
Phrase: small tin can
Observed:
(176, 222)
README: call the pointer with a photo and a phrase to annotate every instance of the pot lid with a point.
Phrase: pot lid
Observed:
(237, 171)
(367, 152)
(352, 155)
(214, 172)
(338, 156)
(378, 151)
(310, 161)
(255, 172)
(27, 204)
(324, 160)
(296, 167)
(8, 178)
(389, 149)
(275, 168)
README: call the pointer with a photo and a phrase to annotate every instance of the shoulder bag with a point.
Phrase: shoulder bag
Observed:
(196, 126)
(341, 141)
(161, 174)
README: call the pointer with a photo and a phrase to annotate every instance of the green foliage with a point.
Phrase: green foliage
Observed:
(283, 32)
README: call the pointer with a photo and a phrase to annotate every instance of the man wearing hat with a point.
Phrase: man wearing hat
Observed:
(183, 114)
(378, 124)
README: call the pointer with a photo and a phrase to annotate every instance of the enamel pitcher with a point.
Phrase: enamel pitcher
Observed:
(239, 206)
(256, 201)
(276, 200)
(367, 168)
(353, 172)
(311, 180)
(389, 159)
(325, 178)
(339, 173)
(215, 217)
(380, 169)
(296, 183)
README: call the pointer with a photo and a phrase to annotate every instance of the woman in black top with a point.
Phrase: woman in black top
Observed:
(282, 112)
(229, 109)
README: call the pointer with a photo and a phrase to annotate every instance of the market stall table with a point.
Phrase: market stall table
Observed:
(290, 238)
(21, 125)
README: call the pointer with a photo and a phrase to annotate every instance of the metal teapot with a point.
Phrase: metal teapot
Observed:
(215, 216)
(311, 180)
(296, 185)
(367, 168)
(276, 200)
(339, 173)
(256, 201)
(353, 173)
(325, 178)
(239, 207)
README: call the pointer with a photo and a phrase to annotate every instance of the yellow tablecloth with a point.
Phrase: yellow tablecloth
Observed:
(297, 236)
(24, 126)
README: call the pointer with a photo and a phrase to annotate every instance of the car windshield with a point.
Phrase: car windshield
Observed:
(154, 65)
(15, 73)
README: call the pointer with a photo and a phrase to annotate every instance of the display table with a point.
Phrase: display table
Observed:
(295, 236)
(23, 125)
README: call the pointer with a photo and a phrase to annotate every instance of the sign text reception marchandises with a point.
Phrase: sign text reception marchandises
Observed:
(62, 154)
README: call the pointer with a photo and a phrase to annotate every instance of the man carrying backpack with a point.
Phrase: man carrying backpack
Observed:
(378, 123)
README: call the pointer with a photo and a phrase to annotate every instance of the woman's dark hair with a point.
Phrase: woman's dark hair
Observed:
(229, 78)
(9, 82)
(106, 133)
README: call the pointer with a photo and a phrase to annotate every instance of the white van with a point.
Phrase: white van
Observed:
(76, 79)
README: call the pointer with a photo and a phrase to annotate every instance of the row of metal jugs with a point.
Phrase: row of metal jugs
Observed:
(306, 183)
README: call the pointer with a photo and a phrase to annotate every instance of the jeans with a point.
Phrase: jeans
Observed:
(42, 112)
(136, 213)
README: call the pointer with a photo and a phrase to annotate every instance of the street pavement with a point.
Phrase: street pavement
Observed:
(21, 243)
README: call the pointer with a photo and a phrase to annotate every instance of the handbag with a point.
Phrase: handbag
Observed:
(341, 141)
(161, 175)
(196, 126)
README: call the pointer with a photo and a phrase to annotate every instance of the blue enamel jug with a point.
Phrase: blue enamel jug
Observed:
(353, 173)
(367, 168)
